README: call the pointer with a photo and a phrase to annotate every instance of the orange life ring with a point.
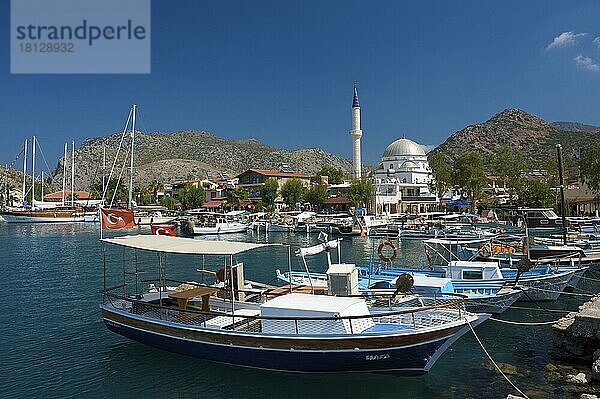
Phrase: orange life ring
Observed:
(382, 256)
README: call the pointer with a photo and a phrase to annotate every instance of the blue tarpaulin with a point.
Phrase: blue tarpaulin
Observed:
(459, 203)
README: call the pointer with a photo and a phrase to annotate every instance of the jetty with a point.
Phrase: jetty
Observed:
(577, 336)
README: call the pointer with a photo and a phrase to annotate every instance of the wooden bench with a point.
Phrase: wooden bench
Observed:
(183, 297)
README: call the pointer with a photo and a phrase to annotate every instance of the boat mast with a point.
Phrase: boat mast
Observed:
(73, 173)
(563, 209)
(42, 185)
(103, 170)
(33, 174)
(131, 164)
(24, 169)
(64, 175)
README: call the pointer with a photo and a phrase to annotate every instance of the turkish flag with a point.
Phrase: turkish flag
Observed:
(163, 231)
(117, 218)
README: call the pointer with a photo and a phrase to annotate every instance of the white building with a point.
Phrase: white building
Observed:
(402, 180)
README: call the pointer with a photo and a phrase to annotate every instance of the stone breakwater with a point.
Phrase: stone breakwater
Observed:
(577, 337)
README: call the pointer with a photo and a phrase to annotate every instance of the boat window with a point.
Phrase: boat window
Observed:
(472, 274)
(543, 221)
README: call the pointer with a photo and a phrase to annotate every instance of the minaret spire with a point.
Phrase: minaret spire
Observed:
(356, 134)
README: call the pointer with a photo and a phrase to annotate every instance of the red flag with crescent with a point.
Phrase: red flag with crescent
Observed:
(117, 218)
(163, 231)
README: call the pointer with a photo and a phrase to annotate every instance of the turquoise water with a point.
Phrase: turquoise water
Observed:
(54, 344)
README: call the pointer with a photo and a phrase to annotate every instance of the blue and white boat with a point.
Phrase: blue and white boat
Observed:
(292, 332)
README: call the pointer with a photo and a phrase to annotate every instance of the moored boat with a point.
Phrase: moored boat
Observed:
(292, 332)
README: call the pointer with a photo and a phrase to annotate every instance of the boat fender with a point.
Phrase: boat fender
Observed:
(384, 258)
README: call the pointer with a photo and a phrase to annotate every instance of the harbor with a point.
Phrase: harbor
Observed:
(67, 348)
(278, 200)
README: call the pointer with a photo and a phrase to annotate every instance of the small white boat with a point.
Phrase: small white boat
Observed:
(220, 227)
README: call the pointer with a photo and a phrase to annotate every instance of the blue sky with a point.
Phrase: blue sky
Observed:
(282, 72)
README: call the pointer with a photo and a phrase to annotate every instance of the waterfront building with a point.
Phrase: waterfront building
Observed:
(253, 179)
(403, 179)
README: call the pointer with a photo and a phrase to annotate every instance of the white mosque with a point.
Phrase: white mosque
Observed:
(403, 178)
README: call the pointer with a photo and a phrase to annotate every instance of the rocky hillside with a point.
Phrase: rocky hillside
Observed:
(575, 127)
(520, 130)
(188, 155)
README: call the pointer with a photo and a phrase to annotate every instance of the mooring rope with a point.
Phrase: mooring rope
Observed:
(581, 289)
(562, 292)
(540, 309)
(590, 279)
(494, 363)
(541, 323)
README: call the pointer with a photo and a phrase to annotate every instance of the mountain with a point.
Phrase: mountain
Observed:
(517, 129)
(575, 127)
(187, 155)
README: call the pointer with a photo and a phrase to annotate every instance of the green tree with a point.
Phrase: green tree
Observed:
(268, 191)
(360, 192)
(335, 175)
(441, 172)
(168, 202)
(469, 175)
(292, 192)
(589, 167)
(154, 187)
(191, 196)
(316, 195)
(536, 194)
(141, 195)
(122, 193)
(238, 195)
(509, 165)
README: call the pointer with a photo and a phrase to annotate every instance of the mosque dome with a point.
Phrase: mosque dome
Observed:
(403, 147)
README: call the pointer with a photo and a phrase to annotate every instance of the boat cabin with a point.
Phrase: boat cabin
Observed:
(541, 217)
(473, 270)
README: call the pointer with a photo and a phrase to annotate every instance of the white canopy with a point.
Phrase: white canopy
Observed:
(317, 249)
(180, 245)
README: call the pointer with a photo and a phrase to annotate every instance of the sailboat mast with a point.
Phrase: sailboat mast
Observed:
(64, 175)
(24, 169)
(131, 165)
(42, 185)
(73, 173)
(33, 173)
(103, 170)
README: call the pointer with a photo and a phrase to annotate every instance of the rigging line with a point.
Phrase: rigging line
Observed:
(540, 323)
(117, 154)
(39, 147)
(119, 179)
(494, 363)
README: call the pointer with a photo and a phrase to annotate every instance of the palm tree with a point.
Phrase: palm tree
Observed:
(238, 195)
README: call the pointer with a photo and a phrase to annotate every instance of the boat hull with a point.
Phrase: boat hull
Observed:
(219, 230)
(412, 355)
(37, 218)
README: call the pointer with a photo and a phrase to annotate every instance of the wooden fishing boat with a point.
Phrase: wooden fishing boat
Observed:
(292, 332)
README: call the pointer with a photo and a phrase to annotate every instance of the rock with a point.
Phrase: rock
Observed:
(578, 379)
(551, 367)
(595, 376)
(514, 397)
(588, 396)
(596, 355)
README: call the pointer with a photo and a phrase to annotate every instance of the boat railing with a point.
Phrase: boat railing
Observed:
(406, 311)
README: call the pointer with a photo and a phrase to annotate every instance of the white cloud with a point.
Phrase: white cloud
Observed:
(596, 41)
(587, 63)
(565, 39)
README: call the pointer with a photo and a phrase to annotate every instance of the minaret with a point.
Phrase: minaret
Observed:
(356, 134)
